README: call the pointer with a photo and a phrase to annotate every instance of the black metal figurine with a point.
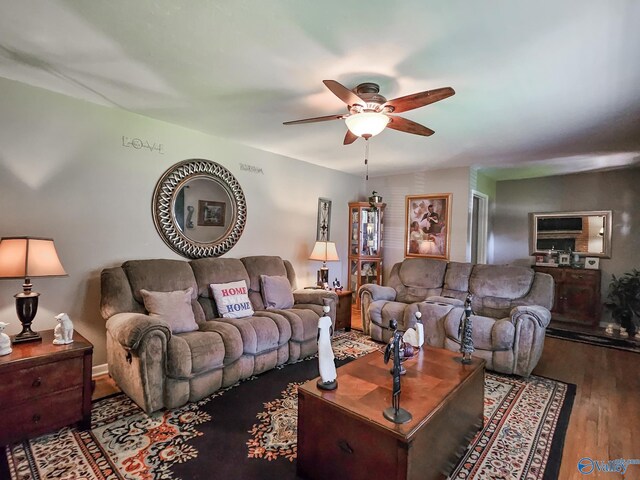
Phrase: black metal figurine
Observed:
(394, 413)
(466, 327)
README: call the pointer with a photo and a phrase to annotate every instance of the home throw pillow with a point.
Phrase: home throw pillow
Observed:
(232, 299)
(173, 307)
(276, 292)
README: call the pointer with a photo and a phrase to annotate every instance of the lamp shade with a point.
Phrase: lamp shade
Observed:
(324, 251)
(366, 124)
(26, 257)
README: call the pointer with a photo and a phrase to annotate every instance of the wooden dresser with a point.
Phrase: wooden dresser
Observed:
(577, 294)
(44, 387)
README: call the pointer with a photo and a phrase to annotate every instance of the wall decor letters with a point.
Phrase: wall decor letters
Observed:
(250, 168)
(139, 144)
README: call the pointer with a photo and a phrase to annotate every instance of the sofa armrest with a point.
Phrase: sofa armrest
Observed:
(314, 296)
(378, 292)
(539, 314)
(530, 324)
(128, 329)
(369, 293)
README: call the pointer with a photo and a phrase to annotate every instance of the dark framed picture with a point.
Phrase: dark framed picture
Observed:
(211, 214)
(323, 228)
(427, 232)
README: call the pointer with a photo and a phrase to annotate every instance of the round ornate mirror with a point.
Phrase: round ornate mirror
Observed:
(199, 209)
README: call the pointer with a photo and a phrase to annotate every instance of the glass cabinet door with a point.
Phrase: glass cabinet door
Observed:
(369, 232)
(355, 231)
(365, 246)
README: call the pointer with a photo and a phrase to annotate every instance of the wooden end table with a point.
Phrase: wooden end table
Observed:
(45, 387)
(342, 433)
(343, 310)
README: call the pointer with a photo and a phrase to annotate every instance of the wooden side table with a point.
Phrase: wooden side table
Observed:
(44, 387)
(343, 310)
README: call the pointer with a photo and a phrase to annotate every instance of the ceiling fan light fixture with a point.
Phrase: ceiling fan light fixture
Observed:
(366, 124)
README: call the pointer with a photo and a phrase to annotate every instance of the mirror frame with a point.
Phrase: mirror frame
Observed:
(163, 204)
(606, 239)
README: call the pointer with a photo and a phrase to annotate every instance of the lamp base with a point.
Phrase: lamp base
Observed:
(26, 336)
(323, 277)
(27, 307)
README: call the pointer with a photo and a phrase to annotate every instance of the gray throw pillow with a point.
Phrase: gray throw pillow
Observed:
(276, 292)
(172, 307)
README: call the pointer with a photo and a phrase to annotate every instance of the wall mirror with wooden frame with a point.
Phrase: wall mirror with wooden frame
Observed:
(587, 233)
(199, 208)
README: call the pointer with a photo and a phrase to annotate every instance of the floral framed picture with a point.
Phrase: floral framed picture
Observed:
(427, 226)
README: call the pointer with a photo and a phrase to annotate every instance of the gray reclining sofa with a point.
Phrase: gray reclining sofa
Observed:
(159, 368)
(511, 308)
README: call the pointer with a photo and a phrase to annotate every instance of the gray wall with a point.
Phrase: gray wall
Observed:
(65, 174)
(394, 190)
(617, 190)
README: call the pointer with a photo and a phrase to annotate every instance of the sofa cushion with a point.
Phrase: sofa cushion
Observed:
(217, 270)
(419, 278)
(457, 276)
(194, 352)
(482, 329)
(159, 276)
(276, 292)
(232, 299)
(262, 265)
(172, 307)
(501, 281)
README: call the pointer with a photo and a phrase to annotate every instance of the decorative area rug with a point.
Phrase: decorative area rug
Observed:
(627, 344)
(249, 431)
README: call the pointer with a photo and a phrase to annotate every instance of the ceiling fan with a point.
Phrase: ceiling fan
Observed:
(368, 111)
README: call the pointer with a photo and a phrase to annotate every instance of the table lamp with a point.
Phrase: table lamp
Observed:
(326, 252)
(27, 257)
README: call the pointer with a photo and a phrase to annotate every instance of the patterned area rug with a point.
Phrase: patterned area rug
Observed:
(248, 431)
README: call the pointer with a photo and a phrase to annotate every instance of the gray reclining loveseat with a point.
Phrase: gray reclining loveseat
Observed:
(162, 361)
(511, 308)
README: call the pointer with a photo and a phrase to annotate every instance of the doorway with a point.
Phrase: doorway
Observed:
(479, 227)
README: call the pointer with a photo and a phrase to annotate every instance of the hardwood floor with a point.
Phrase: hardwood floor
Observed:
(105, 386)
(605, 419)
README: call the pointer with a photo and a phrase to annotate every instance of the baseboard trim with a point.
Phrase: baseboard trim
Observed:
(98, 370)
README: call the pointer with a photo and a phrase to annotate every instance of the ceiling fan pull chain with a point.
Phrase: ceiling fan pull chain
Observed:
(366, 158)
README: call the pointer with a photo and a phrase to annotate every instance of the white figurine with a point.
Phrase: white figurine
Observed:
(415, 336)
(5, 341)
(328, 375)
(63, 333)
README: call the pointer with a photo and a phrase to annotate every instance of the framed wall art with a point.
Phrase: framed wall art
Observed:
(592, 263)
(211, 214)
(324, 220)
(427, 225)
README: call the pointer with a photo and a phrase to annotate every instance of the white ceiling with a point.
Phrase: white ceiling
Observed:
(544, 87)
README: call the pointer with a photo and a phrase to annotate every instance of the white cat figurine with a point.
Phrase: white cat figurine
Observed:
(5, 341)
(63, 333)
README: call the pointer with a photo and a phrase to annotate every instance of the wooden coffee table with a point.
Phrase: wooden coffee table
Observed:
(342, 433)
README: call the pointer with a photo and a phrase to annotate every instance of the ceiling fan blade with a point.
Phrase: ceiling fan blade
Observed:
(409, 126)
(343, 93)
(316, 119)
(349, 138)
(416, 100)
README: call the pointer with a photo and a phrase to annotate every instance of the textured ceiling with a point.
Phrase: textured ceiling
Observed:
(541, 87)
